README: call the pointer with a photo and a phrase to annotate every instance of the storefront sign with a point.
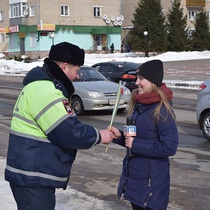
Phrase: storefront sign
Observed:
(2, 30)
(13, 29)
(21, 35)
(46, 27)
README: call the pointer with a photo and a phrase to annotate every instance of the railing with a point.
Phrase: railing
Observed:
(94, 48)
(195, 3)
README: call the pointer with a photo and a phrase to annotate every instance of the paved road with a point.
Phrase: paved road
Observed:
(95, 173)
(187, 70)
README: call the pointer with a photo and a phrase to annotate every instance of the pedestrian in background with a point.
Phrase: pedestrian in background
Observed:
(112, 48)
(122, 48)
(128, 48)
(145, 178)
(45, 133)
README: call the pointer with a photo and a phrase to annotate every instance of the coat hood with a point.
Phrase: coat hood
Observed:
(35, 74)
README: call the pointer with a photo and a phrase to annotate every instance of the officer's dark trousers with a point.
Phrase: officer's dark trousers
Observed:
(28, 198)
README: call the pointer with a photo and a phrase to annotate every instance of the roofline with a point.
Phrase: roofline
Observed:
(127, 27)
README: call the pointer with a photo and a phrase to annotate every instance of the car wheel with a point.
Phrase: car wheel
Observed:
(121, 110)
(205, 126)
(77, 105)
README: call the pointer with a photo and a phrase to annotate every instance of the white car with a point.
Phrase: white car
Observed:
(203, 108)
(94, 92)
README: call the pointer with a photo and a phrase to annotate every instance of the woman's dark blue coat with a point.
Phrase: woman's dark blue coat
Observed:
(145, 178)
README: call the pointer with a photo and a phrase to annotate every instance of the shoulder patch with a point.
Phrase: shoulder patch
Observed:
(68, 107)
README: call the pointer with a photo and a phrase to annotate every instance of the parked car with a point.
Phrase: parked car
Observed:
(93, 91)
(203, 108)
(119, 70)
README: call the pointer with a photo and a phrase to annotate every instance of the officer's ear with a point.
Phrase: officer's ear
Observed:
(64, 66)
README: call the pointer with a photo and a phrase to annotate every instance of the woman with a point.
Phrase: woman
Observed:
(145, 178)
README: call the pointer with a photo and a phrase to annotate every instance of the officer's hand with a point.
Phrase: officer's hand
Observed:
(106, 136)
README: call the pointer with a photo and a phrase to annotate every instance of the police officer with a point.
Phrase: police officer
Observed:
(45, 133)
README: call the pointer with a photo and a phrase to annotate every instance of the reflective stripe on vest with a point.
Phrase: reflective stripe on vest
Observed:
(26, 120)
(47, 107)
(30, 136)
(38, 112)
(38, 174)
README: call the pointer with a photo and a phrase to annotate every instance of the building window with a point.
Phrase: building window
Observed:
(191, 31)
(2, 38)
(15, 10)
(64, 10)
(97, 11)
(18, 10)
(192, 14)
(32, 10)
(1, 15)
(208, 15)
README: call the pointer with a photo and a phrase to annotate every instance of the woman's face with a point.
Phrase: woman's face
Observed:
(144, 85)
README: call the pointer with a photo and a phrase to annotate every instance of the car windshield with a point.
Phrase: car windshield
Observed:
(89, 74)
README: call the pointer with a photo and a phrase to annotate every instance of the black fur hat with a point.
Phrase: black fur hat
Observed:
(67, 52)
(152, 71)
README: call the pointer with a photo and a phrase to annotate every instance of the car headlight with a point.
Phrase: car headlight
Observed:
(94, 94)
(126, 91)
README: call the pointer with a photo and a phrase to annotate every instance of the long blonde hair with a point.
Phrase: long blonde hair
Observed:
(156, 113)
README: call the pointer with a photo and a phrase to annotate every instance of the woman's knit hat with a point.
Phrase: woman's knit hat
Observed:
(152, 71)
(67, 52)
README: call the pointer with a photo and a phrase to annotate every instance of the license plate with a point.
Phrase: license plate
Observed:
(112, 101)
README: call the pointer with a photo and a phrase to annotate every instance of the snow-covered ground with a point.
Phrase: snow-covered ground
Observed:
(11, 67)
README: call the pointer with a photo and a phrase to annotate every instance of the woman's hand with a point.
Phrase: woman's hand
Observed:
(115, 132)
(129, 142)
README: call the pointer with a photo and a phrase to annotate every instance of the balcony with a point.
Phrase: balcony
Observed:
(195, 3)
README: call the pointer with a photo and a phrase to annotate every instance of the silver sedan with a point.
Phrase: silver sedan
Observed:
(94, 92)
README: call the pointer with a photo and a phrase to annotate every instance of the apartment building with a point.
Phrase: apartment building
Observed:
(190, 8)
(30, 27)
(4, 22)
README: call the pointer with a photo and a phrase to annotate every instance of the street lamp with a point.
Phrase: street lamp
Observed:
(146, 48)
(52, 36)
(145, 33)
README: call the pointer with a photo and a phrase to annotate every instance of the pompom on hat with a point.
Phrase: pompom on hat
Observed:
(67, 52)
(152, 71)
